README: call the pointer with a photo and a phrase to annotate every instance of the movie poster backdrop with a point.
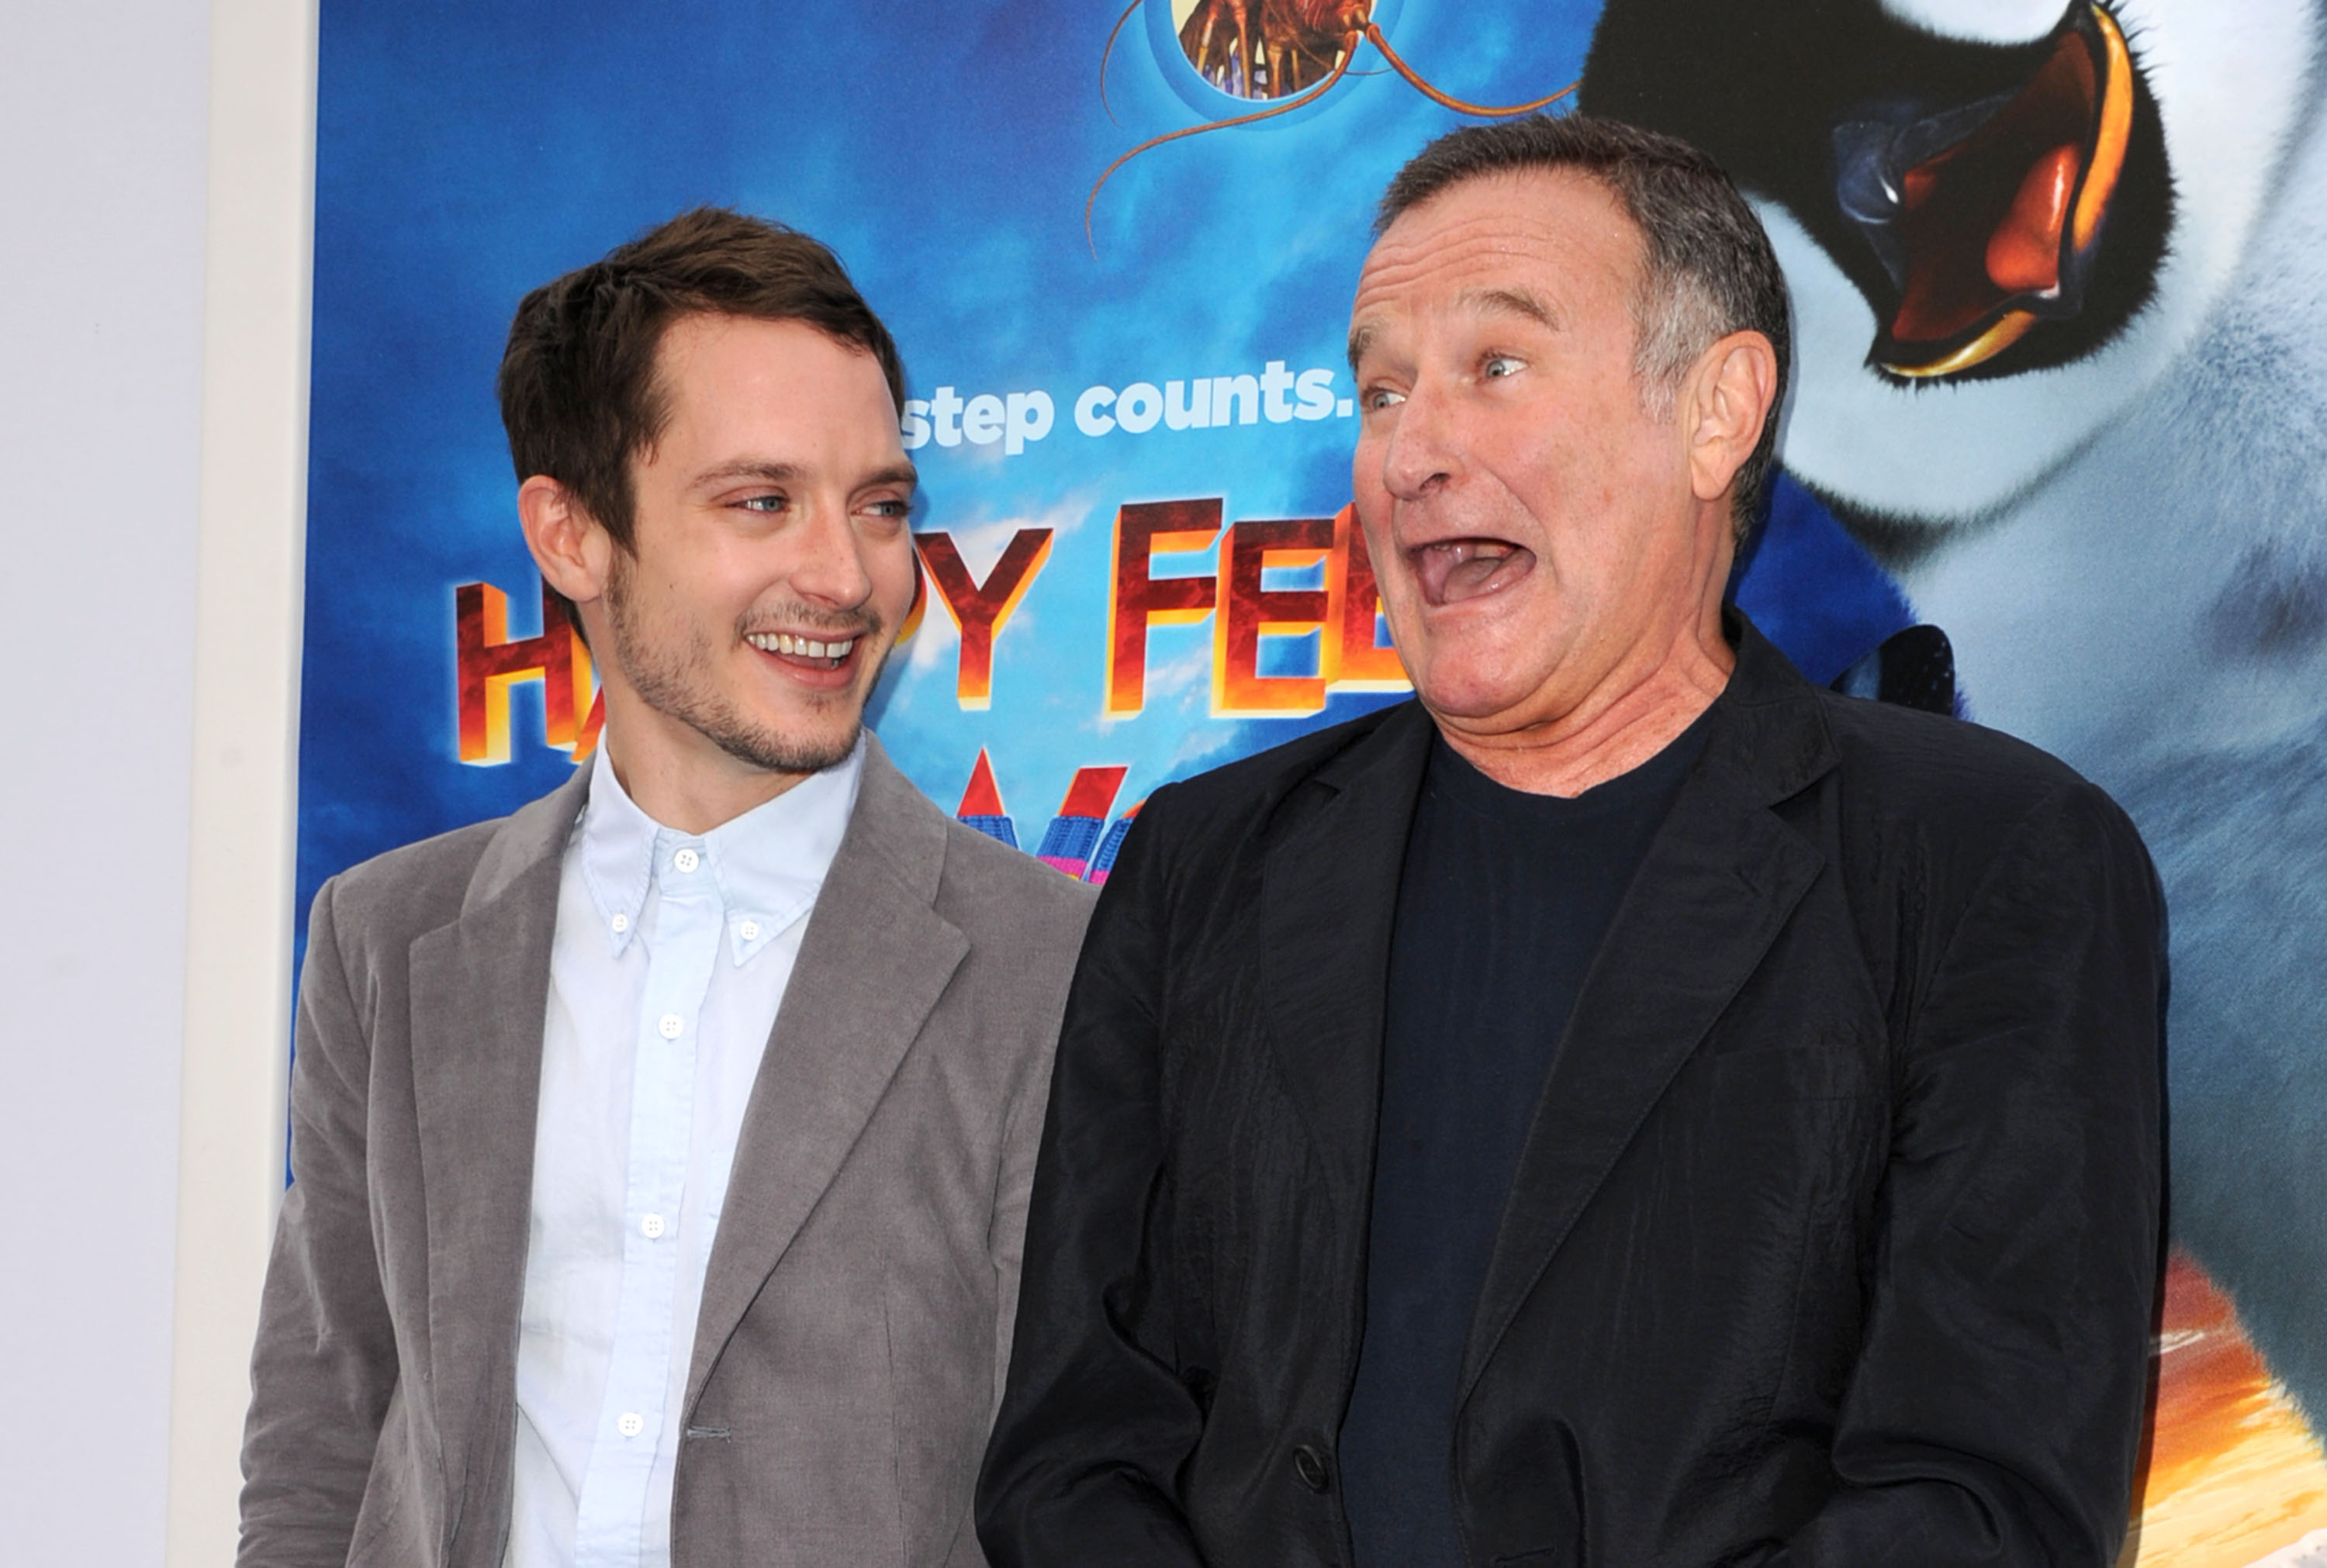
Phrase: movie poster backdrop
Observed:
(2059, 274)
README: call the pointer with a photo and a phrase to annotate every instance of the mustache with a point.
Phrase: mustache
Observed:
(840, 624)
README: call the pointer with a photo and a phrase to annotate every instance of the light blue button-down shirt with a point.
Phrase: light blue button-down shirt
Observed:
(671, 956)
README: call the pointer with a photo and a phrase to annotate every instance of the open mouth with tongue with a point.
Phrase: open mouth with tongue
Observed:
(1454, 571)
(1987, 216)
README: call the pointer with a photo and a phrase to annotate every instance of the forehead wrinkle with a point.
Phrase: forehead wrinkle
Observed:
(1490, 254)
(1509, 299)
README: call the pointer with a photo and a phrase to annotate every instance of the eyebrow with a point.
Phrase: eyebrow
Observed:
(773, 472)
(750, 468)
(1510, 302)
(1489, 301)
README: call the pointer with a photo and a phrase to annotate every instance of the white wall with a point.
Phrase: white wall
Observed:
(155, 224)
(103, 109)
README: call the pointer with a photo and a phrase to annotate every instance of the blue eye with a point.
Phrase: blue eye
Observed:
(774, 503)
(1382, 397)
(1500, 366)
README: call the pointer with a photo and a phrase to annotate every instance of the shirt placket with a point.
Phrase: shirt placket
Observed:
(688, 923)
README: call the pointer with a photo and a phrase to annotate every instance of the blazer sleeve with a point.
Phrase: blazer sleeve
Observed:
(1997, 1409)
(325, 1363)
(1095, 1423)
(1022, 1140)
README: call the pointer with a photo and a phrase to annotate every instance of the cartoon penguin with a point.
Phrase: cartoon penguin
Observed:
(2060, 275)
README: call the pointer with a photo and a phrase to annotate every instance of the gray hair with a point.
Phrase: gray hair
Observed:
(1707, 269)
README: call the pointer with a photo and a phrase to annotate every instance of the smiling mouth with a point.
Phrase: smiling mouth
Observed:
(1988, 216)
(1453, 571)
(807, 653)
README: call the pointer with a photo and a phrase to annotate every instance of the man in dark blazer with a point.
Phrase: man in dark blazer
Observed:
(661, 1150)
(1628, 1106)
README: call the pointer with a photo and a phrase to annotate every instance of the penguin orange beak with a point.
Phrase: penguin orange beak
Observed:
(1996, 232)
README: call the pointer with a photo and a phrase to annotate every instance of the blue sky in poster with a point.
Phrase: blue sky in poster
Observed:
(466, 154)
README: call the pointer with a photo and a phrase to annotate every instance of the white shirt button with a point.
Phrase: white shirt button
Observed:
(620, 923)
(651, 1228)
(632, 1423)
(749, 930)
(671, 1024)
(687, 860)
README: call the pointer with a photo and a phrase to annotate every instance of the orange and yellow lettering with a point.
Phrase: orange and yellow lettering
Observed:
(1143, 530)
(488, 663)
(1352, 661)
(1240, 691)
(980, 608)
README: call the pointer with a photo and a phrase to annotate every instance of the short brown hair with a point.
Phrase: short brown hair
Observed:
(578, 390)
(1707, 269)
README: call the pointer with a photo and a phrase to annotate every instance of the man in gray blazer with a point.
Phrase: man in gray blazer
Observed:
(660, 1152)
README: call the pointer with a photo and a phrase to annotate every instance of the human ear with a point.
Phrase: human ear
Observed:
(1727, 402)
(571, 547)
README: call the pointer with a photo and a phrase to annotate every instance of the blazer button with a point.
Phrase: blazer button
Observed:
(1310, 1466)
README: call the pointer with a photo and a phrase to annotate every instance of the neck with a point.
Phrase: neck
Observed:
(1634, 712)
(682, 779)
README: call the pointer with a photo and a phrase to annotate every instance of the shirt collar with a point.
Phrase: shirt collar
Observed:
(768, 863)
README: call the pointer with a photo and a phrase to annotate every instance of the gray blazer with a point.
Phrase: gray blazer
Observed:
(856, 1315)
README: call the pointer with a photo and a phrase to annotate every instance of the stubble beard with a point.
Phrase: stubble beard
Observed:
(675, 675)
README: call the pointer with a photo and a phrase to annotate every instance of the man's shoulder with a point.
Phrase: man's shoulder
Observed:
(412, 883)
(1011, 883)
(418, 886)
(1906, 776)
(1235, 798)
(1935, 761)
(1008, 893)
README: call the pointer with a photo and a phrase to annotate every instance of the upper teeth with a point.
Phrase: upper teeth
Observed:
(785, 642)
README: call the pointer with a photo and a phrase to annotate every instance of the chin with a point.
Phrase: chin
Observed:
(1474, 697)
(829, 732)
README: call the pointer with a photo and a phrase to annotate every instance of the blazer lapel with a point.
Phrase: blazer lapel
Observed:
(1720, 880)
(1328, 894)
(874, 960)
(478, 991)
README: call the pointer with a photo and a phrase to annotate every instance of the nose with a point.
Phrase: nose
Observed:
(1422, 452)
(829, 565)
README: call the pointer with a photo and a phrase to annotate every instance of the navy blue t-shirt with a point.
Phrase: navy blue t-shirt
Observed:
(1501, 907)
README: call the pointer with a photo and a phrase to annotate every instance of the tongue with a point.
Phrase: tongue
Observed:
(2023, 253)
(1458, 569)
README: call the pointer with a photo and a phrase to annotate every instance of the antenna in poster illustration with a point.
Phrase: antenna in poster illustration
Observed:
(1292, 52)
